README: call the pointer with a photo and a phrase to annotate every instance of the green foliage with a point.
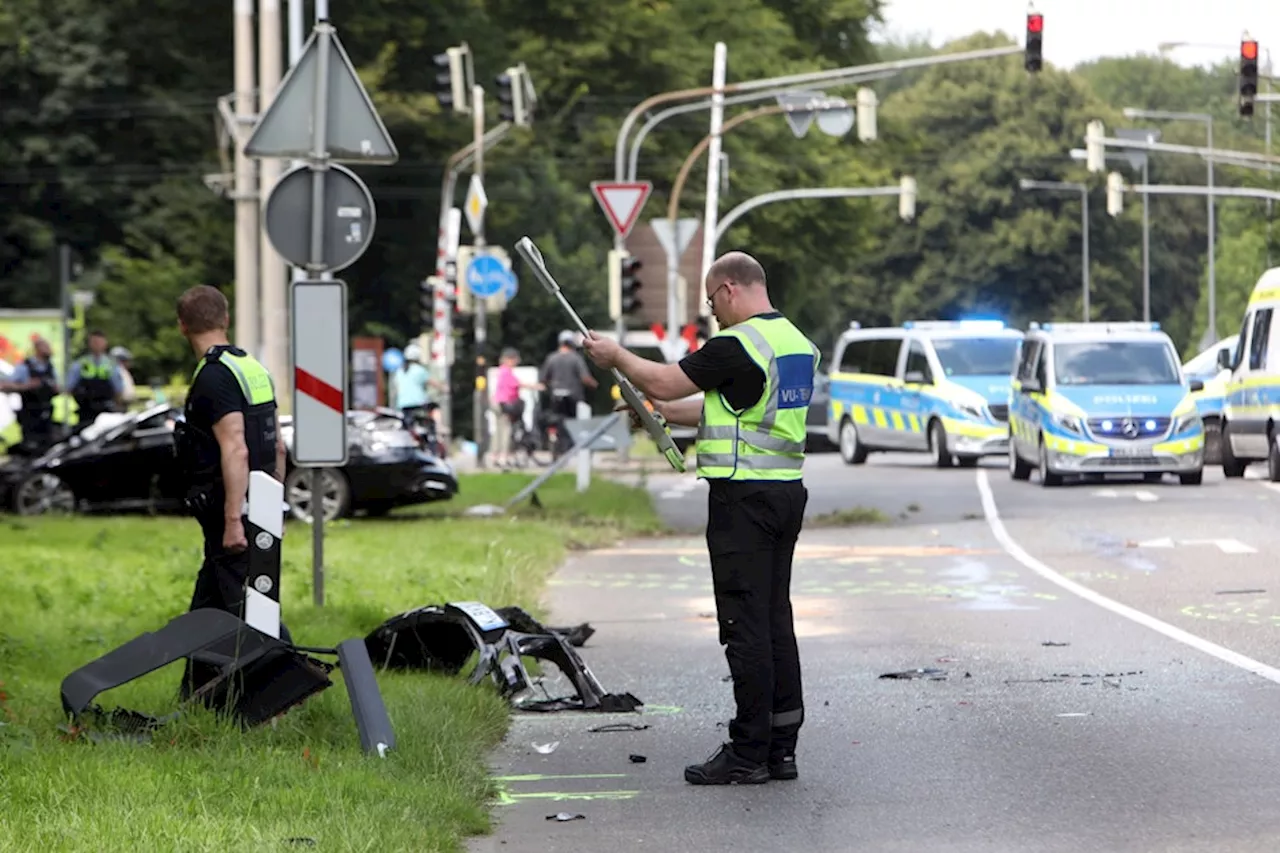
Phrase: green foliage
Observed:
(110, 111)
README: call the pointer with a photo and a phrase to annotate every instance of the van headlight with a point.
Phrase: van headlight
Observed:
(971, 411)
(1071, 423)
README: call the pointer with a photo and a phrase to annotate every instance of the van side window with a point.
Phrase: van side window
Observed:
(855, 357)
(1259, 339)
(918, 361)
(1042, 371)
(1237, 357)
(884, 357)
(1026, 367)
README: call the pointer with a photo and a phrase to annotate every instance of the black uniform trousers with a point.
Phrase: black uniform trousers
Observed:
(219, 585)
(752, 528)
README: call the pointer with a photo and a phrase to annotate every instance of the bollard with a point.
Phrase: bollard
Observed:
(584, 457)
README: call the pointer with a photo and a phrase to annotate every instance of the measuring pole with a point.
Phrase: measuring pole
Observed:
(246, 184)
(481, 393)
(274, 343)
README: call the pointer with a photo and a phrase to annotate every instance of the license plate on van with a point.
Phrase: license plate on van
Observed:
(1130, 452)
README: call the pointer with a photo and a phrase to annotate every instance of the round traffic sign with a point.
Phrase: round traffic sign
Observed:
(346, 217)
(392, 360)
(487, 276)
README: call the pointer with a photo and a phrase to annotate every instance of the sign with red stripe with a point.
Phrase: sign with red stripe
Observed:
(320, 372)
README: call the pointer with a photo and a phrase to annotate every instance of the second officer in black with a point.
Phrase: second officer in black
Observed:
(230, 428)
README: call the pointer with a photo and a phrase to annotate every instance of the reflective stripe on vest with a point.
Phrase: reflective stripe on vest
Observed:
(765, 442)
(254, 380)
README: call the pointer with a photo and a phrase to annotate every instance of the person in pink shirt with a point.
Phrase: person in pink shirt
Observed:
(508, 407)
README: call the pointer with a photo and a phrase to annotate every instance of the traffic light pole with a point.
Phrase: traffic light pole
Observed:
(478, 399)
(723, 226)
(1217, 192)
(441, 306)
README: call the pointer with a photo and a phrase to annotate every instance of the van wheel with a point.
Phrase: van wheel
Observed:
(938, 445)
(1018, 469)
(852, 450)
(1231, 466)
(1273, 458)
(1213, 442)
(1047, 477)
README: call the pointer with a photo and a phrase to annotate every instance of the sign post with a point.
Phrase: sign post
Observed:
(675, 235)
(320, 218)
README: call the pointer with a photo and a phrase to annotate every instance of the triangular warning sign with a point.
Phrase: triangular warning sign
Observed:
(354, 132)
(621, 202)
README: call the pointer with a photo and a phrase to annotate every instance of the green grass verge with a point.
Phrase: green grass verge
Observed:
(73, 588)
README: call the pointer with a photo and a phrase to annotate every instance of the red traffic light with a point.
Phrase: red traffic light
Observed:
(1035, 23)
(1249, 50)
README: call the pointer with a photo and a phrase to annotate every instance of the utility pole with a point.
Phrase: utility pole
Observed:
(274, 350)
(246, 190)
(481, 393)
(713, 179)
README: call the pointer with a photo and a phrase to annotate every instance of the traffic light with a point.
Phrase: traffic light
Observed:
(515, 96)
(623, 284)
(1115, 193)
(1248, 75)
(453, 80)
(1035, 30)
(866, 112)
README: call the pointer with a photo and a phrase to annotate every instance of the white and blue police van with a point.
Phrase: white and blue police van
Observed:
(1103, 398)
(936, 387)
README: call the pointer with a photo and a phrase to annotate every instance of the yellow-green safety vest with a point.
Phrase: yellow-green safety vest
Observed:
(254, 379)
(765, 442)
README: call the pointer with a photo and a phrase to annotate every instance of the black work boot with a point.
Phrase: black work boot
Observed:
(724, 767)
(782, 766)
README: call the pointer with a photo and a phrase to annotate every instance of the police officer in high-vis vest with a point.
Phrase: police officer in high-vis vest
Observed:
(229, 428)
(94, 381)
(35, 381)
(757, 378)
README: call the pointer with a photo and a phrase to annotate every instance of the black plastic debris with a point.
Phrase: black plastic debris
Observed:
(637, 759)
(561, 817)
(1053, 644)
(619, 727)
(443, 638)
(926, 673)
(1239, 591)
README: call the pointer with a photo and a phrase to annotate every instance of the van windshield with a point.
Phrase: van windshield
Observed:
(976, 356)
(1116, 363)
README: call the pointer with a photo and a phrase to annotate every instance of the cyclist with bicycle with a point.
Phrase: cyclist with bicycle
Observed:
(566, 377)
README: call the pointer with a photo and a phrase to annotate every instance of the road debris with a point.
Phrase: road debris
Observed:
(1053, 644)
(620, 727)
(637, 759)
(546, 748)
(1239, 591)
(561, 817)
(927, 673)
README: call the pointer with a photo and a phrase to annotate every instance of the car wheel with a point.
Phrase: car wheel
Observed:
(1273, 458)
(39, 494)
(336, 493)
(1193, 479)
(1213, 442)
(1047, 477)
(938, 445)
(852, 450)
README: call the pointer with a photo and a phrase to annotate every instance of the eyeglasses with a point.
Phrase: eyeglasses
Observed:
(711, 297)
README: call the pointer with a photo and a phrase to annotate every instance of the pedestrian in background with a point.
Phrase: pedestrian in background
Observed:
(508, 408)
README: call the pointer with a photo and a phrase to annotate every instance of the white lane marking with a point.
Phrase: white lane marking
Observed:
(1016, 551)
(1226, 546)
(1145, 496)
(1141, 494)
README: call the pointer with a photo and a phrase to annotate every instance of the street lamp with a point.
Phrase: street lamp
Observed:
(1084, 225)
(1138, 160)
(1211, 334)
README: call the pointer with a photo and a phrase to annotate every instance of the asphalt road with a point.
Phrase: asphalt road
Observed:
(1107, 651)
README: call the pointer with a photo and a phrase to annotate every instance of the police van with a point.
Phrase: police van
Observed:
(1103, 398)
(937, 387)
(1251, 410)
(1210, 399)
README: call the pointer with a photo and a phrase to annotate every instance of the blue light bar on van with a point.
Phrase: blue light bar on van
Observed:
(989, 325)
(1097, 327)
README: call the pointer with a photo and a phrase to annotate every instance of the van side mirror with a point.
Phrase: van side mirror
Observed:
(1032, 386)
(1196, 385)
(1224, 359)
(914, 377)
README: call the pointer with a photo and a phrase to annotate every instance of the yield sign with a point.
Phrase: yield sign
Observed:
(621, 202)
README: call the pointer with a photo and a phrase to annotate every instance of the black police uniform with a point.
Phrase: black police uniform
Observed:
(752, 530)
(36, 417)
(94, 393)
(218, 390)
